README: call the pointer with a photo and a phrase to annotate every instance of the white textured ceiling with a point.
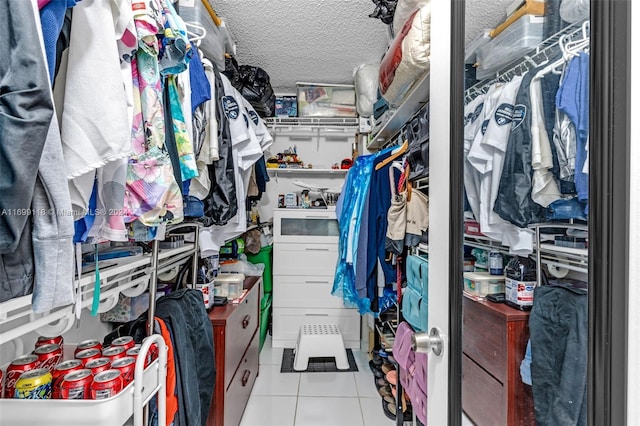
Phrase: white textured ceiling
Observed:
(322, 40)
(310, 41)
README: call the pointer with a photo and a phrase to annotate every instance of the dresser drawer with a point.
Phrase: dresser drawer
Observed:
(237, 394)
(482, 395)
(304, 292)
(305, 226)
(287, 322)
(305, 259)
(240, 328)
(484, 338)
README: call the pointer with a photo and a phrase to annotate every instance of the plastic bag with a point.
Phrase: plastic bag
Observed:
(404, 9)
(242, 266)
(365, 79)
(574, 11)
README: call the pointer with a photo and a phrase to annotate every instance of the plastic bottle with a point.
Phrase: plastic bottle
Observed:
(520, 281)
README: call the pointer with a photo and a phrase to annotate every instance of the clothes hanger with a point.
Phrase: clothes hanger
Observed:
(394, 154)
(197, 35)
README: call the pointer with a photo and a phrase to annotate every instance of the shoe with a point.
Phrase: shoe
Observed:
(392, 377)
(381, 382)
(376, 370)
(385, 391)
(387, 366)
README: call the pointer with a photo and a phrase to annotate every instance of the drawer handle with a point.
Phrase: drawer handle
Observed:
(316, 249)
(321, 216)
(316, 315)
(245, 321)
(245, 377)
(316, 282)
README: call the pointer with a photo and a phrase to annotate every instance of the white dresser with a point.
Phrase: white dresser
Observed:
(305, 252)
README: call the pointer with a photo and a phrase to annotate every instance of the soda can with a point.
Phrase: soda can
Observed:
(76, 385)
(57, 340)
(88, 344)
(15, 369)
(127, 366)
(114, 352)
(126, 341)
(34, 384)
(1, 383)
(48, 356)
(99, 365)
(61, 370)
(153, 350)
(88, 355)
(106, 384)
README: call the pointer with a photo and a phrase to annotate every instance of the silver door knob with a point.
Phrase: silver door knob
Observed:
(423, 342)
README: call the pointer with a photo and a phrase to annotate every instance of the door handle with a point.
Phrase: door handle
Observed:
(423, 342)
(316, 282)
(316, 249)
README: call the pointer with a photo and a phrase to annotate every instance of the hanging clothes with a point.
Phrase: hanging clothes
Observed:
(25, 98)
(573, 100)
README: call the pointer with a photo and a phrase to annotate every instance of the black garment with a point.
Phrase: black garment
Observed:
(514, 203)
(261, 179)
(221, 203)
(192, 337)
(559, 334)
(26, 110)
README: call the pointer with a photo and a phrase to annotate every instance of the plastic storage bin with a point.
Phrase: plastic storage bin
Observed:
(511, 44)
(482, 283)
(326, 100)
(228, 285)
(264, 256)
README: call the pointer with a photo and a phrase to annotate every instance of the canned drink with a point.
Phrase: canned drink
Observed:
(57, 340)
(99, 365)
(1, 383)
(88, 344)
(88, 355)
(34, 384)
(61, 370)
(15, 369)
(48, 356)
(127, 366)
(106, 384)
(126, 341)
(114, 352)
(76, 385)
(153, 351)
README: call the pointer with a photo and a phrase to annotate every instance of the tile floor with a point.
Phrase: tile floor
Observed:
(313, 399)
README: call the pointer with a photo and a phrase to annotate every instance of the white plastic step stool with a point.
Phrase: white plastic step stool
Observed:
(320, 340)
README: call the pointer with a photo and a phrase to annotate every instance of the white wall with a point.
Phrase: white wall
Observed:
(633, 366)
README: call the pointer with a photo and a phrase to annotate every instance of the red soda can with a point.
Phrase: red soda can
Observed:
(135, 351)
(57, 340)
(88, 355)
(114, 352)
(99, 365)
(106, 384)
(153, 350)
(1, 383)
(126, 341)
(61, 370)
(76, 385)
(127, 366)
(48, 356)
(88, 344)
(15, 369)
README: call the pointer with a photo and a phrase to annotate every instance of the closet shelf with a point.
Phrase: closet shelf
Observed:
(415, 99)
(306, 171)
(129, 276)
(324, 123)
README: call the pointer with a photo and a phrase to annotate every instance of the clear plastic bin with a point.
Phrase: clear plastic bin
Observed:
(511, 44)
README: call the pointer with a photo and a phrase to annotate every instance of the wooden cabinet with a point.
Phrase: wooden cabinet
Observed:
(494, 340)
(237, 345)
